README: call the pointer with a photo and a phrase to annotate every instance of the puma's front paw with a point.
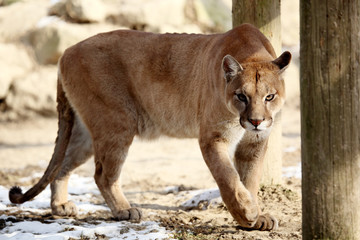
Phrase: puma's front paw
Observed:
(68, 209)
(266, 222)
(131, 214)
(250, 215)
(245, 213)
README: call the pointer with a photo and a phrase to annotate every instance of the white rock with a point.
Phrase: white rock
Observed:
(210, 14)
(153, 15)
(158, 12)
(180, 15)
(128, 14)
(20, 17)
(14, 62)
(51, 40)
(34, 93)
(86, 10)
(58, 8)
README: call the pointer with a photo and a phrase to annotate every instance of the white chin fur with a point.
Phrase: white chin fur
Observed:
(262, 127)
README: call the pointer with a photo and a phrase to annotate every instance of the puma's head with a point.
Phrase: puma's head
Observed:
(255, 90)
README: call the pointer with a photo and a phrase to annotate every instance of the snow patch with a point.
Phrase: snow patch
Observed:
(60, 229)
(292, 171)
(290, 149)
(65, 229)
(202, 199)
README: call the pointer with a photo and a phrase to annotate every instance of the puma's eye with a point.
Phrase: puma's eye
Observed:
(242, 97)
(269, 97)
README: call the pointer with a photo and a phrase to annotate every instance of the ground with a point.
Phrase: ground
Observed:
(159, 176)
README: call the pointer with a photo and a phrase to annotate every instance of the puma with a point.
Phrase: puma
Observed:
(219, 88)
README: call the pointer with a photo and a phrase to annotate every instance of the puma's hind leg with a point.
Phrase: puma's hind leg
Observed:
(111, 148)
(78, 152)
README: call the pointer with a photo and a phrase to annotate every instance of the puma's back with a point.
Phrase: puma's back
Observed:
(166, 80)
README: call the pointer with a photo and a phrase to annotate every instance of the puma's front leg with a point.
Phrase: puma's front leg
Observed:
(248, 161)
(239, 201)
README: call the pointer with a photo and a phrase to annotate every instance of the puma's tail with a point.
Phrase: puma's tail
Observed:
(66, 122)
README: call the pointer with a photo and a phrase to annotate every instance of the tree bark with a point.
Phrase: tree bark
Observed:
(265, 14)
(330, 118)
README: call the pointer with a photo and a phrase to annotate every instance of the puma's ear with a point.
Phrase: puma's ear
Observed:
(231, 67)
(283, 61)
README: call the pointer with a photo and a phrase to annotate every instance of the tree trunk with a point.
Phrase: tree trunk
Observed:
(265, 14)
(330, 118)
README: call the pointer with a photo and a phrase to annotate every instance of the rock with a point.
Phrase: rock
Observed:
(14, 62)
(33, 94)
(50, 41)
(210, 15)
(158, 12)
(129, 15)
(85, 10)
(79, 11)
(20, 17)
(59, 9)
(171, 19)
(180, 15)
(7, 2)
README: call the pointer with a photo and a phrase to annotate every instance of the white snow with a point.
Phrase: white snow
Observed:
(81, 191)
(203, 199)
(292, 171)
(35, 227)
(4, 200)
(290, 149)
(27, 179)
(65, 230)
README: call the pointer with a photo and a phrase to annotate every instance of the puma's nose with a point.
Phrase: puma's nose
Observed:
(256, 122)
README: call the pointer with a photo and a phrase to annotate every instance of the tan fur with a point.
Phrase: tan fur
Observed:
(124, 84)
